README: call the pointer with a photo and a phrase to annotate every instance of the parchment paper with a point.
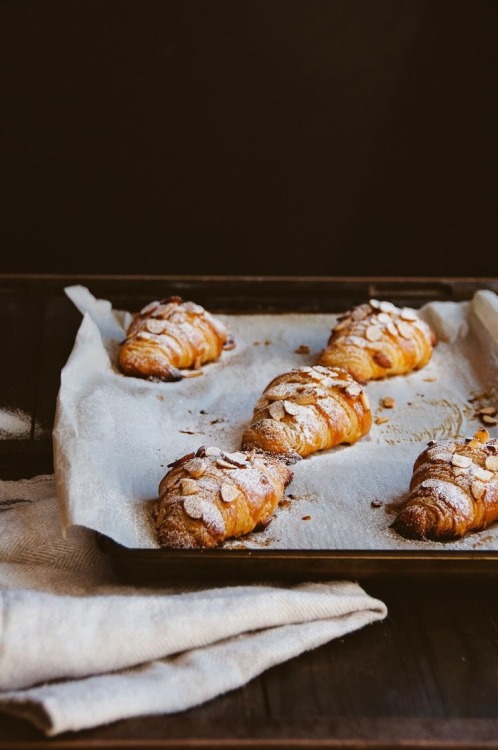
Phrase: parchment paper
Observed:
(114, 435)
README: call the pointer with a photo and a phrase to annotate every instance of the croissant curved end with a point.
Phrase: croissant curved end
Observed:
(414, 522)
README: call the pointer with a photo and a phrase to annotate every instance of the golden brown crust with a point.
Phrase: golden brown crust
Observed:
(377, 340)
(211, 496)
(453, 490)
(172, 336)
(309, 409)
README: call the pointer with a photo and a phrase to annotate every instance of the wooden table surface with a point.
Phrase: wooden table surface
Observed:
(426, 677)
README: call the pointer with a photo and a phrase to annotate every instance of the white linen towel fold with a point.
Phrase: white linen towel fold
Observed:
(79, 649)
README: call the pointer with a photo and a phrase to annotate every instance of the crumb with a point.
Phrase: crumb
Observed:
(202, 411)
(381, 420)
(306, 518)
(189, 432)
(388, 402)
(429, 380)
(302, 349)
(159, 397)
(256, 343)
(376, 504)
(267, 342)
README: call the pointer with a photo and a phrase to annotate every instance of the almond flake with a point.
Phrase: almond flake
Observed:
(197, 467)
(381, 420)
(388, 402)
(373, 333)
(492, 463)
(387, 307)
(459, 472)
(384, 318)
(224, 464)
(212, 451)
(488, 420)
(477, 490)
(365, 401)
(291, 408)
(251, 454)
(482, 474)
(302, 349)
(408, 314)
(188, 486)
(482, 435)
(193, 507)
(359, 313)
(306, 398)
(491, 410)
(462, 461)
(404, 329)
(276, 410)
(391, 328)
(148, 308)
(474, 443)
(155, 326)
(374, 303)
(228, 492)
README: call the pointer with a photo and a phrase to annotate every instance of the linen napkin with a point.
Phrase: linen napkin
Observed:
(79, 649)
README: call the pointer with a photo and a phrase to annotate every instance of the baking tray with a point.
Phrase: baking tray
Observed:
(236, 565)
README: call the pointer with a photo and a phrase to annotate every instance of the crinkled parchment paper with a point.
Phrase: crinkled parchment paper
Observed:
(114, 435)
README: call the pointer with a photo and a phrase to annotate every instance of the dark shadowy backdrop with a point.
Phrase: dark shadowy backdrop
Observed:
(315, 137)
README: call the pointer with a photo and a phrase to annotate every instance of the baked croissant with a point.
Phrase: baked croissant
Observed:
(377, 339)
(172, 336)
(210, 496)
(454, 489)
(309, 409)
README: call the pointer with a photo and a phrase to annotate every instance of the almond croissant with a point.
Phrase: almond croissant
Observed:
(170, 336)
(309, 409)
(377, 339)
(454, 489)
(210, 496)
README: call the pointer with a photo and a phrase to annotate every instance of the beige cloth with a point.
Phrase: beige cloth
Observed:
(79, 649)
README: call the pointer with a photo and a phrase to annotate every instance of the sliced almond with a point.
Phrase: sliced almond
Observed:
(365, 401)
(148, 308)
(491, 463)
(212, 451)
(381, 420)
(473, 443)
(477, 490)
(405, 329)
(342, 325)
(458, 472)
(276, 410)
(302, 349)
(482, 474)
(156, 326)
(188, 486)
(291, 408)
(408, 314)
(482, 435)
(388, 402)
(251, 454)
(353, 390)
(223, 464)
(462, 461)
(391, 328)
(228, 492)
(197, 467)
(373, 333)
(374, 303)
(488, 420)
(491, 410)
(387, 307)
(307, 397)
(359, 313)
(445, 456)
(194, 507)
(384, 318)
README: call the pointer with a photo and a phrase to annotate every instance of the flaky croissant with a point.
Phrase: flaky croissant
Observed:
(453, 490)
(211, 496)
(377, 339)
(167, 339)
(309, 409)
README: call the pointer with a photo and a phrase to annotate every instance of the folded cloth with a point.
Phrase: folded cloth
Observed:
(79, 649)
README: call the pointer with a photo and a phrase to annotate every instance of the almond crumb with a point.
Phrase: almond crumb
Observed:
(388, 402)
(306, 518)
(381, 420)
(302, 349)
(429, 380)
(490, 410)
(482, 435)
(487, 419)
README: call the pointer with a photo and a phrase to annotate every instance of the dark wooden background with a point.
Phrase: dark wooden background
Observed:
(335, 137)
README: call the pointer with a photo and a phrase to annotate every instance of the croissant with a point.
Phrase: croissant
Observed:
(453, 490)
(309, 409)
(172, 336)
(377, 340)
(210, 496)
